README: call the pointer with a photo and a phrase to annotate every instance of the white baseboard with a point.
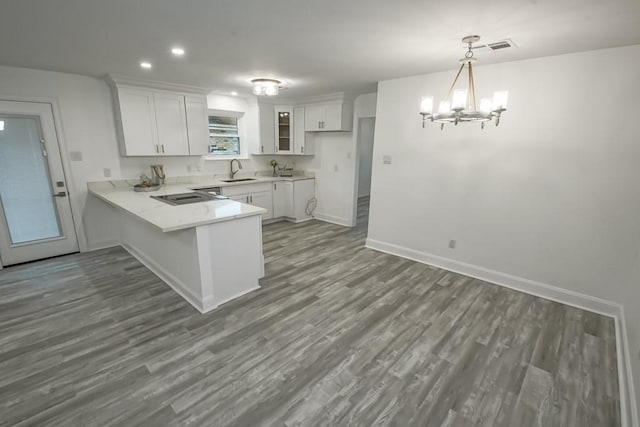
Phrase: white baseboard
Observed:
(102, 245)
(235, 296)
(333, 219)
(628, 406)
(298, 221)
(170, 280)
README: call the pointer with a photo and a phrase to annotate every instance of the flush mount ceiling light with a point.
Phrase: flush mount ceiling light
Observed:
(146, 65)
(460, 105)
(266, 87)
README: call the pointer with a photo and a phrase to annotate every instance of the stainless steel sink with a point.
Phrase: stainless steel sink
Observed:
(184, 198)
(238, 179)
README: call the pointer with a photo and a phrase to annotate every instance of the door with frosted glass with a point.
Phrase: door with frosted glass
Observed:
(35, 212)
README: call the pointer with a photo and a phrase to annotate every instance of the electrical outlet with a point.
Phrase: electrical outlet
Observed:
(386, 159)
(76, 156)
(452, 244)
(106, 172)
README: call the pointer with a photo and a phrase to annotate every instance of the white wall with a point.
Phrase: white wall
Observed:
(551, 195)
(335, 167)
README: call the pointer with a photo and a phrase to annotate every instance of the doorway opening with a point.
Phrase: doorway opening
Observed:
(366, 128)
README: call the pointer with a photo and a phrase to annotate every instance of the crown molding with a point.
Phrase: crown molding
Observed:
(120, 80)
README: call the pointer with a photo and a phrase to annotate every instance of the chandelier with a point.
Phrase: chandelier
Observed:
(460, 105)
(265, 87)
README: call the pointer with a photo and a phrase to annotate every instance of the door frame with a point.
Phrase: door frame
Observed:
(72, 187)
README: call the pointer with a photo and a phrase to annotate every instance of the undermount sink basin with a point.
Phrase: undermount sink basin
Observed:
(238, 180)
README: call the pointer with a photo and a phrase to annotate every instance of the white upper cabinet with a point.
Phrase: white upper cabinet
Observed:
(171, 119)
(333, 118)
(197, 125)
(138, 130)
(313, 116)
(284, 130)
(161, 123)
(328, 117)
(302, 141)
(266, 116)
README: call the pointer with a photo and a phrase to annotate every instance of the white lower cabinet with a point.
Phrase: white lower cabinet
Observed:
(291, 198)
(303, 191)
(252, 194)
(264, 200)
(281, 199)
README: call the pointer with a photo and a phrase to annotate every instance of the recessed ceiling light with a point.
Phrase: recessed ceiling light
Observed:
(177, 51)
(1, 124)
(146, 65)
(234, 93)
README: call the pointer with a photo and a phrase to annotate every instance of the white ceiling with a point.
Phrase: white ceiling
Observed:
(319, 46)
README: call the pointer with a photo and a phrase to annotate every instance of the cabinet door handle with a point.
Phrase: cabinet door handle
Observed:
(162, 148)
(275, 186)
(262, 148)
(157, 151)
(302, 149)
(251, 199)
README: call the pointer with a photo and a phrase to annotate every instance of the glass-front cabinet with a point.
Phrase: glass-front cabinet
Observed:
(284, 130)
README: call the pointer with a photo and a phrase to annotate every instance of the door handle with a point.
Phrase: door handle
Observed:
(60, 194)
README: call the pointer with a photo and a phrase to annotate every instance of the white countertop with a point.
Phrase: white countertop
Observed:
(167, 217)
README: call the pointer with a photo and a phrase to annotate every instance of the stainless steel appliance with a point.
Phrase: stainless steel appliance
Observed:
(214, 190)
(185, 198)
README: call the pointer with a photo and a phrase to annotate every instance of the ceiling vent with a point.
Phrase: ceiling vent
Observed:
(503, 44)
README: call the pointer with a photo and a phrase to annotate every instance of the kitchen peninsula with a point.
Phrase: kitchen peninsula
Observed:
(209, 252)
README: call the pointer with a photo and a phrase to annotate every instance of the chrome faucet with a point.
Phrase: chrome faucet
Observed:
(231, 166)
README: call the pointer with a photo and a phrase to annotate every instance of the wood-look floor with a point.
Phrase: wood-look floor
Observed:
(338, 335)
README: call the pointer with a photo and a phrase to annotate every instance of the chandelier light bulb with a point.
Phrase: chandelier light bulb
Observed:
(426, 106)
(459, 101)
(500, 100)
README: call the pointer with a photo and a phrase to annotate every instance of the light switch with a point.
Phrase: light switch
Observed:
(107, 172)
(386, 159)
(76, 156)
